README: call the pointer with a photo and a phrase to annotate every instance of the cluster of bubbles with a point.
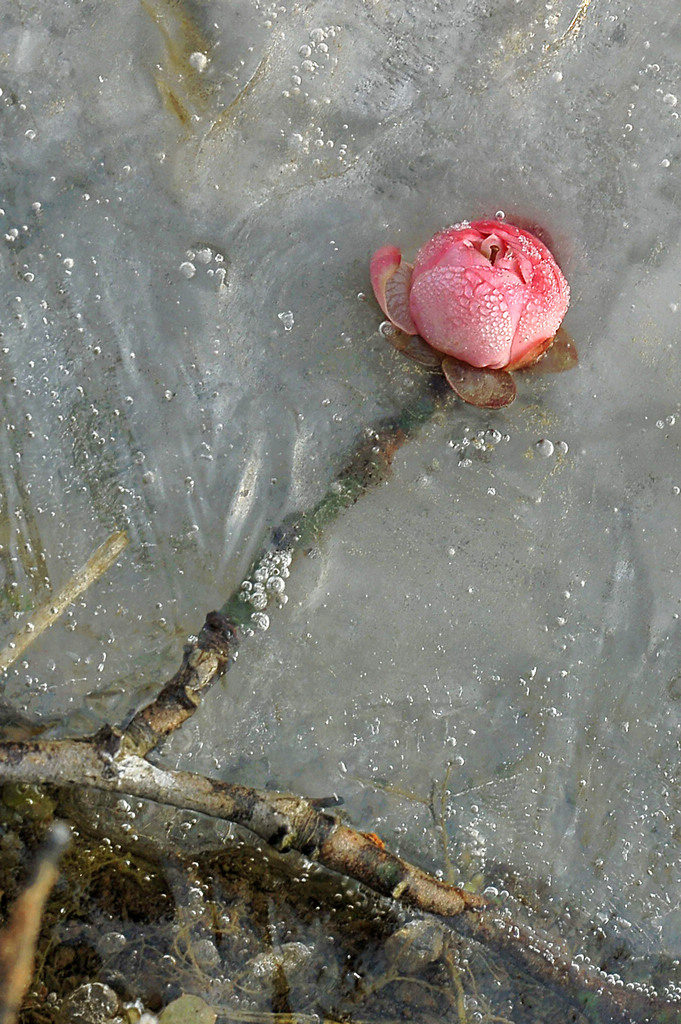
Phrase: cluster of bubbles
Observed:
(482, 441)
(267, 582)
(204, 256)
(672, 990)
(310, 81)
(314, 55)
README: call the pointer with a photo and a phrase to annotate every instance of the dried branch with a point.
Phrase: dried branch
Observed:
(96, 565)
(19, 936)
(284, 821)
(287, 822)
(206, 658)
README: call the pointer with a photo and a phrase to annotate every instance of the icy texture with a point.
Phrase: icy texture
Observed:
(188, 211)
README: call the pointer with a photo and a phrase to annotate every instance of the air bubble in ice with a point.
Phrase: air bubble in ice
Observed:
(544, 448)
(287, 319)
(187, 269)
(199, 61)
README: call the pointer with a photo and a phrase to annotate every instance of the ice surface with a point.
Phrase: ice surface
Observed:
(190, 196)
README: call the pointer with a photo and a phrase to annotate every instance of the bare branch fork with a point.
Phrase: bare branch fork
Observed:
(115, 760)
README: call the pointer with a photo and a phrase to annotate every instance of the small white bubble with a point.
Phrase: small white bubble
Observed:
(187, 269)
(30, 134)
(670, 99)
(500, 215)
(287, 319)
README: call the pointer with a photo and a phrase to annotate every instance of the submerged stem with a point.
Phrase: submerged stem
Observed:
(368, 466)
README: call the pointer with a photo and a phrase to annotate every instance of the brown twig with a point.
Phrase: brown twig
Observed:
(19, 936)
(205, 659)
(284, 821)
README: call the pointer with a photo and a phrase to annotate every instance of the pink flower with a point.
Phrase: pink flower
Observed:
(487, 293)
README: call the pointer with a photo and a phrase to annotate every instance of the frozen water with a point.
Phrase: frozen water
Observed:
(190, 197)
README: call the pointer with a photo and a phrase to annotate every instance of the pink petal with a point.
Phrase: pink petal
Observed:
(547, 303)
(391, 281)
(384, 263)
(397, 289)
(464, 314)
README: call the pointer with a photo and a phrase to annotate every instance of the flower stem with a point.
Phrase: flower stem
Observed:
(369, 465)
